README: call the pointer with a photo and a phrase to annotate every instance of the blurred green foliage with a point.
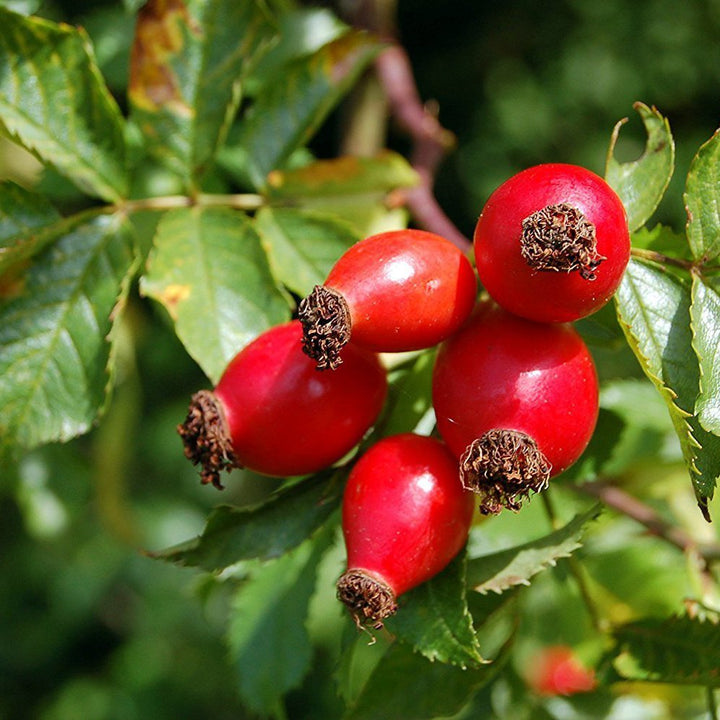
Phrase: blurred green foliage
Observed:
(90, 627)
(523, 82)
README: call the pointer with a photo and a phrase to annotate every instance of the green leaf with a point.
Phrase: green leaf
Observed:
(408, 686)
(515, 566)
(269, 642)
(264, 531)
(187, 62)
(54, 350)
(353, 188)
(302, 246)
(705, 313)
(133, 5)
(53, 101)
(702, 201)
(409, 402)
(27, 223)
(654, 312)
(209, 270)
(680, 650)
(350, 178)
(662, 239)
(434, 619)
(286, 114)
(600, 456)
(24, 7)
(302, 31)
(641, 184)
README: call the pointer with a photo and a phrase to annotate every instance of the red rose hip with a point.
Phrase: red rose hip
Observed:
(516, 401)
(556, 670)
(552, 243)
(405, 516)
(395, 291)
(273, 413)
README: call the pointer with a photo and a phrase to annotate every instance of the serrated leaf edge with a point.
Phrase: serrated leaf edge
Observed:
(447, 632)
(590, 515)
(678, 416)
(695, 280)
(647, 113)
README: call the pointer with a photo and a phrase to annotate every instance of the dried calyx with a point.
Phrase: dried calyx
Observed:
(326, 322)
(503, 467)
(206, 438)
(368, 599)
(560, 238)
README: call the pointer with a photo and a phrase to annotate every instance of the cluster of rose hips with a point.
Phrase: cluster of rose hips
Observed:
(514, 389)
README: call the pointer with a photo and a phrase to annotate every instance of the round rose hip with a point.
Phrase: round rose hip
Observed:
(516, 401)
(552, 243)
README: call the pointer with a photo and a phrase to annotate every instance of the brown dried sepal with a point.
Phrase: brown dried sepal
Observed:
(325, 317)
(206, 438)
(503, 467)
(368, 599)
(560, 238)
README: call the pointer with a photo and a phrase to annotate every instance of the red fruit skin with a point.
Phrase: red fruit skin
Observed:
(543, 295)
(557, 671)
(505, 372)
(285, 417)
(406, 289)
(405, 514)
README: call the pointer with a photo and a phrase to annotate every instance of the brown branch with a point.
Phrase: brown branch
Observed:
(633, 508)
(431, 142)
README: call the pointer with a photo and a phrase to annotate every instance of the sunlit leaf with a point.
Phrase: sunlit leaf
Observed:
(407, 686)
(355, 189)
(54, 102)
(24, 7)
(434, 619)
(209, 270)
(702, 201)
(680, 650)
(54, 350)
(343, 177)
(187, 62)
(269, 642)
(286, 114)
(654, 311)
(261, 532)
(27, 222)
(303, 246)
(516, 566)
(705, 313)
(641, 183)
(303, 30)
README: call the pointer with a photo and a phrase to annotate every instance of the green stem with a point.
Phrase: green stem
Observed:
(661, 258)
(712, 704)
(576, 570)
(238, 201)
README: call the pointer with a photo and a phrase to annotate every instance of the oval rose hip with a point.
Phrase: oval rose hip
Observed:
(273, 413)
(395, 291)
(556, 670)
(405, 516)
(552, 243)
(516, 401)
